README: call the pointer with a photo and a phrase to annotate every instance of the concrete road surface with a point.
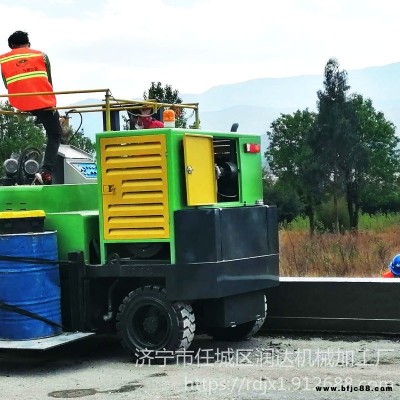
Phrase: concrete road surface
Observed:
(266, 367)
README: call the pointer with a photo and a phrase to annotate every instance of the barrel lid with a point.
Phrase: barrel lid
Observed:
(22, 214)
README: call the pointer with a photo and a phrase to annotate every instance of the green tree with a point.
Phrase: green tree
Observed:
(17, 132)
(333, 135)
(327, 216)
(381, 198)
(355, 146)
(346, 150)
(167, 95)
(291, 160)
(283, 196)
(374, 166)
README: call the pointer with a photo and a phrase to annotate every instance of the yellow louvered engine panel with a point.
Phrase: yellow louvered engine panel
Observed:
(134, 187)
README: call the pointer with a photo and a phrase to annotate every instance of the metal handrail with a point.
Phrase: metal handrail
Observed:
(62, 92)
(110, 104)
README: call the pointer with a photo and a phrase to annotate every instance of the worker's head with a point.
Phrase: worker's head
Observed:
(18, 39)
(394, 266)
(145, 116)
(135, 119)
(146, 112)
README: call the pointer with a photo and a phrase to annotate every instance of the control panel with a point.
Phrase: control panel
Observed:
(86, 169)
(75, 166)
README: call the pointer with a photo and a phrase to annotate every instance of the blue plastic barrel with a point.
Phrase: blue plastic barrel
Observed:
(30, 286)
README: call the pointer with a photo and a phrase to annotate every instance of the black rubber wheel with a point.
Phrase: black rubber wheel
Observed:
(239, 332)
(146, 320)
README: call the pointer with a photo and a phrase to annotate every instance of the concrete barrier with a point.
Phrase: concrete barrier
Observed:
(368, 305)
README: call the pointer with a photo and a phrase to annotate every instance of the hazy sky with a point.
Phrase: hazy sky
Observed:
(194, 45)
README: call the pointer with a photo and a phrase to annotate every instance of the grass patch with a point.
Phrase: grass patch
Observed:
(375, 222)
(363, 254)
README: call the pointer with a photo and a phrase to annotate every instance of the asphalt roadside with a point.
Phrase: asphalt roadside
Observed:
(269, 366)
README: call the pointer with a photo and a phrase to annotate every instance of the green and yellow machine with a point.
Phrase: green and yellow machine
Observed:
(162, 235)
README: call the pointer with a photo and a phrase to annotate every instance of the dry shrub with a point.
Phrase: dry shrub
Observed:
(362, 254)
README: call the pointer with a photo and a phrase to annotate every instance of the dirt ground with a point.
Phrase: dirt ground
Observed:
(273, 366)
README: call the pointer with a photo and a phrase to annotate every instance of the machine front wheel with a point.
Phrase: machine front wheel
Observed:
(146, 320)
(239, 332)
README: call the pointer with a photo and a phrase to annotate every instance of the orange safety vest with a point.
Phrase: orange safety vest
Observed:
(388, 274)
(25, 71)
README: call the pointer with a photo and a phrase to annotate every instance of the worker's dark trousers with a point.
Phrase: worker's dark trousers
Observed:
(50, 119)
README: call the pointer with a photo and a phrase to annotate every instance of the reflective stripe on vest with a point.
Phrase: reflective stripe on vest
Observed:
(17, 56)
(26, 75)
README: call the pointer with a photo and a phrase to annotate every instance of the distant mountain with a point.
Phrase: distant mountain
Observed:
(264, 92)
(254, 104)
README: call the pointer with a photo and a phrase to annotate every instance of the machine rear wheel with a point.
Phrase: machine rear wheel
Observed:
(146, 320)
(239, 332)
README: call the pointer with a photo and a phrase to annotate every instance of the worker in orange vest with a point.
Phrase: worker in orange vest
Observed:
(25, 70)
(394, 268)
